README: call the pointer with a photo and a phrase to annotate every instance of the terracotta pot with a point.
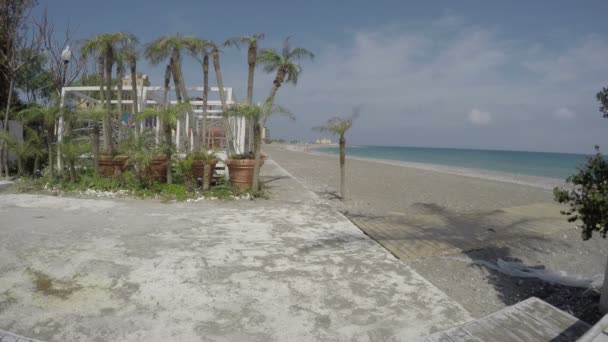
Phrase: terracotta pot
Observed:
(241, 172)
(108, 165)
(198, 168)
(158, 169)
(214, 139)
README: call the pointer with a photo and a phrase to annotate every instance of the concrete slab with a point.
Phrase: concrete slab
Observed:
(285, 269)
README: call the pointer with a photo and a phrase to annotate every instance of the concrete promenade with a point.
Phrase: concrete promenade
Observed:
(284, 269)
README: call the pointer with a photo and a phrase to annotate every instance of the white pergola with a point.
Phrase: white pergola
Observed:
(149, 97)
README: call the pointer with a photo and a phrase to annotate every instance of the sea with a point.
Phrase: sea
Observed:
(539, 164)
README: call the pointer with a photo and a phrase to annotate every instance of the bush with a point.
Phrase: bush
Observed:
(588, 197)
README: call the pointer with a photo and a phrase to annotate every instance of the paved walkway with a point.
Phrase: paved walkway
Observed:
(441, 232)
(285, 269)
(531, 320)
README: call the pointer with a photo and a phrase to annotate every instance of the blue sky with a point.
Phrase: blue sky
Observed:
(519, 75)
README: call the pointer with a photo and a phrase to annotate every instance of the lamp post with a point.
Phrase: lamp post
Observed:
(66, 56)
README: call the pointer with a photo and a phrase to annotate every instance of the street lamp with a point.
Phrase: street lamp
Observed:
(66, 56)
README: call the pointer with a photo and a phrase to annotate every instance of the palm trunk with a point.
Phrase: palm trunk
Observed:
(167, 126)
(108, 135)
(205, 97)
(342, 169)
(119, 75)
(251, 60)
(168, 153)
(4, 149)
(220, 84)
(257, 147)
(36, 163)
(72, 172)
(96, 146)
(257, 129)
(178, 95)
(206, 179)
(101, 80)
(134, 106)
(50, 128)
(191, 115)
(19, 166)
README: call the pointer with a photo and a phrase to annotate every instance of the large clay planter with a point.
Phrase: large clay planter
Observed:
(108, 165)
(241, 172)
(216, 135)
(158, 169)
(198, 168)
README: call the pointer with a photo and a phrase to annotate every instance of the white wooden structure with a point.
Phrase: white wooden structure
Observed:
(150, 96)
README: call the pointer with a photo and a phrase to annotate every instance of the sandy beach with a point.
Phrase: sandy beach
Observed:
(467, 202)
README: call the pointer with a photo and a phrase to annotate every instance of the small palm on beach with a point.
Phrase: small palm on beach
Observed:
(339, 126)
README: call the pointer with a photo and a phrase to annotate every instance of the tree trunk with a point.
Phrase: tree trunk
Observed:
(96, 147)
(206, 179)
(134, 106)
(604, 295)
(180, 117)
(220, 84)
(191, 116)
(167, 125)
(36, 164)
(119, 75)
(251, 60)
(108, 135)
(168, 153)
(205, 98)
(101, 80)
(19, 166)
(257, 147)
(4, 149)
(342, 169)
(72, 172)
(50, 129)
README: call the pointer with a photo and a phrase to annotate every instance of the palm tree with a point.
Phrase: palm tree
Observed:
(130, 53)
(252, 57)
(105, 45)
(170, 47)
(200, 50)
(168, 117)
(47, 115)
(120, 71)
(28, 148)
(94, 116)
(284, 64)
(339, 126)
(254, 114)
(215, 53)
(287, 70)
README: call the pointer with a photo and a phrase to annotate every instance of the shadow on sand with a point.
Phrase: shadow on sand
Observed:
(484, 236)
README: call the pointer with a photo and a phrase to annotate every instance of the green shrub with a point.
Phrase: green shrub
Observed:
(588, 197)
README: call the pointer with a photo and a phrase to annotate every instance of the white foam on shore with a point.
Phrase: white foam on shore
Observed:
(533, 181)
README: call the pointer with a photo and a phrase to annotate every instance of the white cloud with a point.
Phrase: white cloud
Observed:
(564, 113)
(479, 118)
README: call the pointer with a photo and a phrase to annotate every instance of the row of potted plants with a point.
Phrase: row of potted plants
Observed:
(154, 166)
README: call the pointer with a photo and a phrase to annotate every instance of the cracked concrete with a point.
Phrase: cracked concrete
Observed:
(284, 269)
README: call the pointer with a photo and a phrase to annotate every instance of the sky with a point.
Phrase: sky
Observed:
(509, 75)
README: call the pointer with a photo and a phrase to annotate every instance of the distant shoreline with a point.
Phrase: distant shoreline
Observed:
(545, 183)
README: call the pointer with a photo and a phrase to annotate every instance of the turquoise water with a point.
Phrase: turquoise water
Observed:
(542, 164)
